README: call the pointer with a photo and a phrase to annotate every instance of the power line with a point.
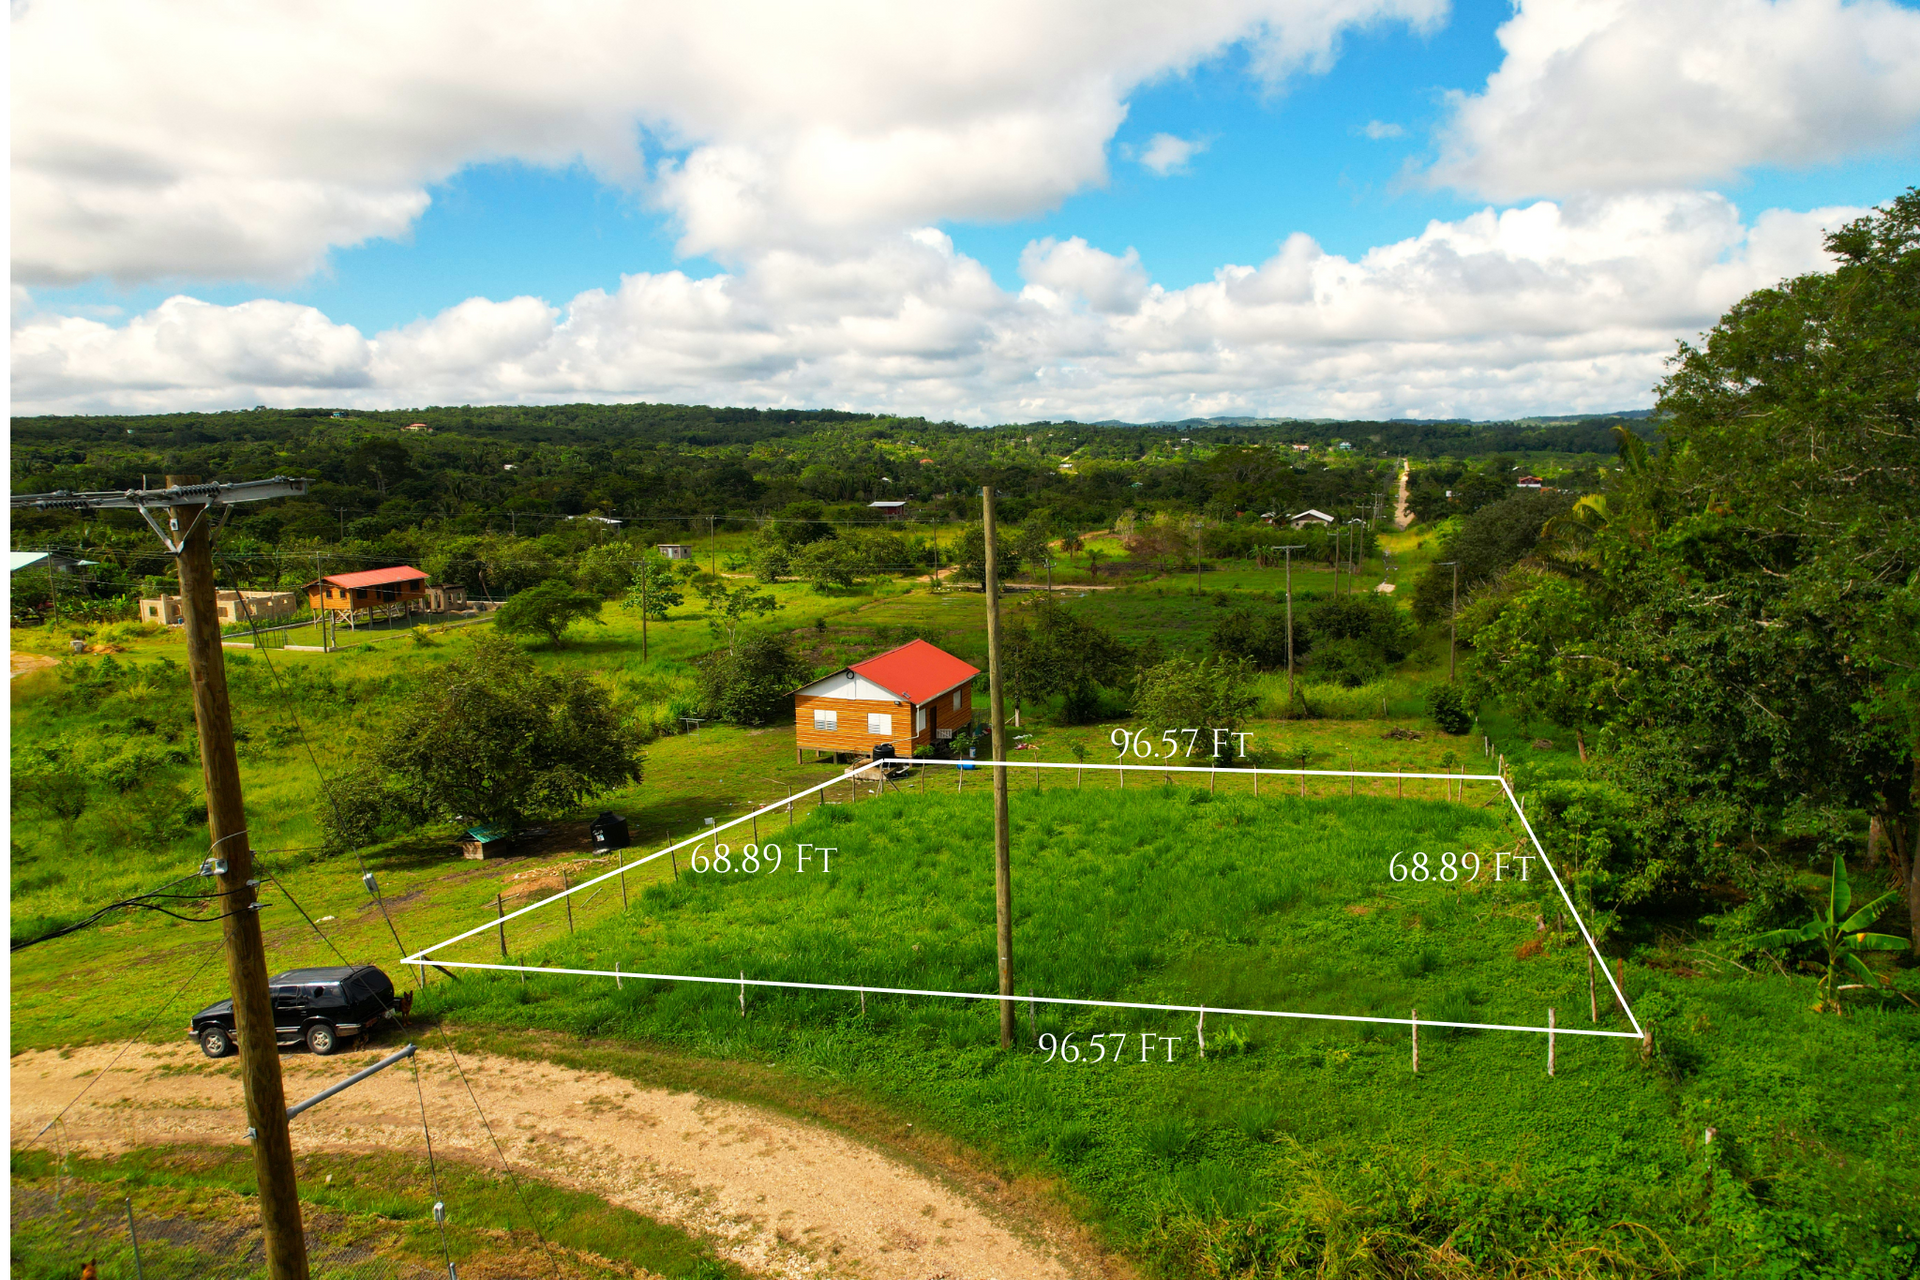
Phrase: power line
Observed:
(139, 901)
(98, 1076)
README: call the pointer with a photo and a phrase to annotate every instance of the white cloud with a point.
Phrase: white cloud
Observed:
(1380, 129)
(1608, 95)
(1165, 153)
(1062, 272)
(156, 140)
(1551, 307)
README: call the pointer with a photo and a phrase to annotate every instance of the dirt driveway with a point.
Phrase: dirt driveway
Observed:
(21, 663)
(774, 1194)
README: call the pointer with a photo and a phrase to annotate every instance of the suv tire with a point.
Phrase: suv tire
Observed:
(322, 1039)
(216, 1042)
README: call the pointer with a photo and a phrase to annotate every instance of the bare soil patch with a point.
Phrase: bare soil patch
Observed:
(775, 1194)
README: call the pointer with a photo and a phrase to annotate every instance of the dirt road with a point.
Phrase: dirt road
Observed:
(777, 1195)
(1403, 514)
(21, 663)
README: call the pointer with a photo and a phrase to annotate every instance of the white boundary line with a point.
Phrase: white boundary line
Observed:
(421, 957)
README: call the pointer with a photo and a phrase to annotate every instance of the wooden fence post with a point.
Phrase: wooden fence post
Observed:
(569, 897)
(500, 908)
(1416, 1042)
(1550, 1045)
(620, 865)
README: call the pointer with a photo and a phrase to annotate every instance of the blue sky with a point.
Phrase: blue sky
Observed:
(1268, 160)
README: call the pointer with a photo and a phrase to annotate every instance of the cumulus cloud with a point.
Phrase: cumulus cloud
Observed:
(1069, 271)
(1165, 153)
(156, 140)
(1380, 129)
(1610, 95)
(1552, 307)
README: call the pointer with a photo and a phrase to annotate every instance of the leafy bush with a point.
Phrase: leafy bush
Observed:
(1449, 709)
(548, 609)
(496, 740)
(754, 684)
(1181, 693)
(1348, 663)
(1258, 638)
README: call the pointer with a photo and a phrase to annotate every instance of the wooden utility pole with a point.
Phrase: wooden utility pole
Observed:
(266, 1098)
(1289, 549)
(1453, 618)
(997, 713)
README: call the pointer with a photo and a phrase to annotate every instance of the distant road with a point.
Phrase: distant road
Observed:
(1402, 516)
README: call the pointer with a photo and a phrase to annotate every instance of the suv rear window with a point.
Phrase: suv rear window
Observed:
(368, 986)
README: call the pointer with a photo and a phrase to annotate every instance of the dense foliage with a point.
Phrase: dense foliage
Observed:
(497, 741)
(1736, 615)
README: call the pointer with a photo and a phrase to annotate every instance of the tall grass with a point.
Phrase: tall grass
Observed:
(1162, 895)
(1390, 696)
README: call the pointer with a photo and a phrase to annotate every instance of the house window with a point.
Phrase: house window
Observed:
(879, 725)
(826, 721)
(956, 699)
(919, 719)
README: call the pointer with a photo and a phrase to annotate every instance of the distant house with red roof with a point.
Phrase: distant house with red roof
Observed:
(390, 591)
(910, 697)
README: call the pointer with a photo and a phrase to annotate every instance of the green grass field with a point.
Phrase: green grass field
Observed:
(1292, 1145)
(1159, 894)
(1294, 1148)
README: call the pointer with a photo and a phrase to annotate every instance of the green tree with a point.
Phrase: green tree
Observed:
(606, 569)
(772, 561)
(728, 609)
(1050, 650)
(1257, 637)
(495, 740)
(548, 610)
(1487, 542)
(652, 590)
(1534, 654)
(827, 564)
(751, 685)
(1746, 638)
(970, 557)
(1181, 693)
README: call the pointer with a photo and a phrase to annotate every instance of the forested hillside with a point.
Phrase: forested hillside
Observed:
(398, 485)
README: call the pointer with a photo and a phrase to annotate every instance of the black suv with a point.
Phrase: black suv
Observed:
(321, 1006)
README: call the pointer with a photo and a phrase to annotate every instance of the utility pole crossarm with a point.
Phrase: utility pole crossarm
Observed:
(177, 495)
(202, 498)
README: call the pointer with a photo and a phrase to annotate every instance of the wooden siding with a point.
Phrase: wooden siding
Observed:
(328, 596)
(850, 734)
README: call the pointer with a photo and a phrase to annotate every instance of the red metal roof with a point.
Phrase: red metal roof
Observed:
(917, 671)
(374, 577)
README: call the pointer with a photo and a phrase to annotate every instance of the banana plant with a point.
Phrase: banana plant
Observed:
(1843, 934)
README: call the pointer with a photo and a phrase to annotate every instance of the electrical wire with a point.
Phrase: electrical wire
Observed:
(326, 788)
(98, 1076)
(433, 1172)
(446, 1043)
(139, 901)
(326, 784)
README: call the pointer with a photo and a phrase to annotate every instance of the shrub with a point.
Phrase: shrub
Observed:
(753, 685)
(1449, 709)
(548, 609)
(1349, 663)
(1183, 694)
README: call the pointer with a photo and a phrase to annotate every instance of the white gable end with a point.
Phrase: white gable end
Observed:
(843, 684)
